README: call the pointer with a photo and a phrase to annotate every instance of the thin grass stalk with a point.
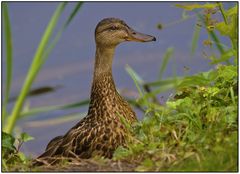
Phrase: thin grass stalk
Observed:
(8, 44)
(165, 61)
(213, 35)
(39, 110)
(222, 12)
(35, 66)
(195, 39)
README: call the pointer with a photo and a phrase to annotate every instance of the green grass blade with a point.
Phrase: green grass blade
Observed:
(8, 44)
(59, 33)
(136, 78)
(40, 110)
(56, 121)
(73, 13)
(165, 60)
(168, 81)
(220, 6)
(35, 66)
(195, 39)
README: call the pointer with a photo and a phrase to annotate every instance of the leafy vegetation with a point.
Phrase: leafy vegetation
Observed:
(195, 130)
(11, 155)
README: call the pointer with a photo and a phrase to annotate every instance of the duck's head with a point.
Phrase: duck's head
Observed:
(112, 31)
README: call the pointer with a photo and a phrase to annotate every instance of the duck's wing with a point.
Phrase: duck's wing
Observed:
(62, 145)
(51, 149)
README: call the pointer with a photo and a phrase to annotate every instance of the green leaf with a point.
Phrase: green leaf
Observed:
(232, 11)
(120, 153)
(225, 56)
(195, 6)
(22, 157)
(226, 29)
(26, 137)
(146, 165)
(8, 141)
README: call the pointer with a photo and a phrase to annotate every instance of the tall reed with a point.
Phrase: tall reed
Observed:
(44, 49)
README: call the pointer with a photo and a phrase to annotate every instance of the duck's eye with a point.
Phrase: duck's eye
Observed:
(113, 28)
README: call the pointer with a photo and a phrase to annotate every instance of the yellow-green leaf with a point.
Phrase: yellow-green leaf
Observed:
(195, 6)
(232, 11)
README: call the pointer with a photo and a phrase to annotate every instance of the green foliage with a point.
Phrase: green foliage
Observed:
(196, 130)
(197, 125)
(11, 155)
(228, 27)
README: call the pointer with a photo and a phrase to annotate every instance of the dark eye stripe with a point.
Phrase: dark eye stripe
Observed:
(113, 28)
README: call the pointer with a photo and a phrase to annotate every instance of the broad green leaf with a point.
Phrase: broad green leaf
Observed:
(8, 141)
(26, 137)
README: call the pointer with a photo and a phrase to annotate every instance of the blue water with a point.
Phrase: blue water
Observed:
(70, 65)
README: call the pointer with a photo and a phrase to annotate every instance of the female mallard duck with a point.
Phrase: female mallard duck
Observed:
(101, 131)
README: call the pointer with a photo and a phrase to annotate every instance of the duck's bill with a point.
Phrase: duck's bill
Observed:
(140, 37)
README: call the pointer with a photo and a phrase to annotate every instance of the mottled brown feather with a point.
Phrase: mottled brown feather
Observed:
(101, 131)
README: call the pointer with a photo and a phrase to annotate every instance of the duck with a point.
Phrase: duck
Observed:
(102, 130)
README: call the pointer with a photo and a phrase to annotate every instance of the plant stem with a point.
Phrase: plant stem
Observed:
(222, 12)
(8, 43)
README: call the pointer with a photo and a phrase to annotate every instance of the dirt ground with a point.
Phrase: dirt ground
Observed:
(88, 165)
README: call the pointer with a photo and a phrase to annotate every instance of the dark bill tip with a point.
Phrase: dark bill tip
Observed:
(140, 37)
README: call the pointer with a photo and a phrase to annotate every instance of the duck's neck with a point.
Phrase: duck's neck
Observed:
(103, 87)
(103, 61)
(105, 100)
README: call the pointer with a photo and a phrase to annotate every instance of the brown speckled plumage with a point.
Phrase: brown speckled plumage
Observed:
(101, 131)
